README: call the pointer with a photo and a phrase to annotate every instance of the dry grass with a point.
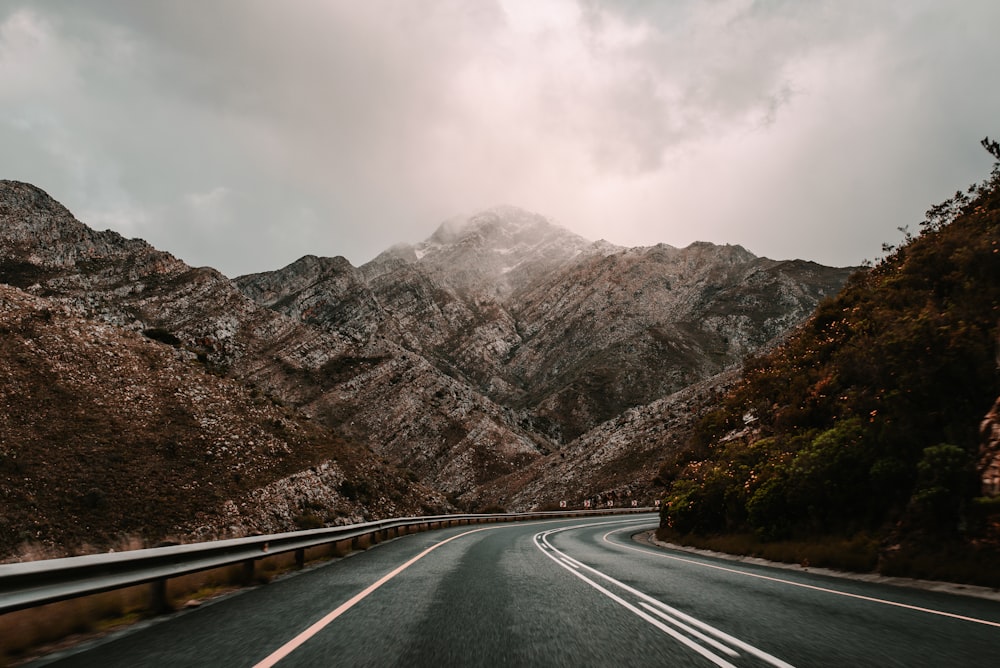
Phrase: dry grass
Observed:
(858, 553)
(968, 564)
(971, 563)
(61, 624)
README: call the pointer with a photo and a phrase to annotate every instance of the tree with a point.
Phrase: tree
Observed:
(943, 477)
(992, 147)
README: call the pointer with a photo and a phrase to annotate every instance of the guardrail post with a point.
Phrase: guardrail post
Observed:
(158, 603)
(248, 568)
(300, 558)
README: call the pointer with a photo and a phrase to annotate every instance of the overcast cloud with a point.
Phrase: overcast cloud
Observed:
(243, 134)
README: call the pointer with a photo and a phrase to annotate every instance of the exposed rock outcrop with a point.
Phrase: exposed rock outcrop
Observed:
(989, 452)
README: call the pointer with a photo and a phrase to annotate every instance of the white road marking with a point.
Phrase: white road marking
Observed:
(748, 574)
(318, 626)
(684, 640)
(661, 610)
(298, 640)
(692, 631)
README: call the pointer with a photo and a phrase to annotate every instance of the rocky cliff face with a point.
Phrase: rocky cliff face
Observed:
(615, 463)
(475, 362)
(619, 331)
(989, 452)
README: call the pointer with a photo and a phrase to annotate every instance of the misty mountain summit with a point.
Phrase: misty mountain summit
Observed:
(495, 252)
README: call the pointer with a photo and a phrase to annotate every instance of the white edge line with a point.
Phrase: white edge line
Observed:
(317, 626)
(861, 597)
(717, 660)
(750, 649)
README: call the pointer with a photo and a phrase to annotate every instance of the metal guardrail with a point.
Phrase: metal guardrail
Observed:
(33, 583)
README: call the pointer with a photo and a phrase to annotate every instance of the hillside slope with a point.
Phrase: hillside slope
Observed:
(867, 418)
(106, 434)
(372, 391)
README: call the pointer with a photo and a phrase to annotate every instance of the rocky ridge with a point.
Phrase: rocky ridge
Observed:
(498, 360)
(566, 333)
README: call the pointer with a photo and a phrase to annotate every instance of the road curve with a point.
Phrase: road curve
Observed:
(558, 593)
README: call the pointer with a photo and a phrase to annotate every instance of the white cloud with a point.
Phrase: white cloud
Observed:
(27, 38)
(129, 221)
(797, 129)
(211, 207)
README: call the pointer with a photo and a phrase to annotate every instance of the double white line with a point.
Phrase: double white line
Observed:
(694, 634)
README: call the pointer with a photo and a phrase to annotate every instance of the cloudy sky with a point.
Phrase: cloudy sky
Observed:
(243, 134)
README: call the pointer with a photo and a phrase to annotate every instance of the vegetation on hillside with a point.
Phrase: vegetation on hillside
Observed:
(865, 421)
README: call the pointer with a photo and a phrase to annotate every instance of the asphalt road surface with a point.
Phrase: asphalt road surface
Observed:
(576, 592)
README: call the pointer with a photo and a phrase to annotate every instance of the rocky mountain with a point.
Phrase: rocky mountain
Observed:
(493, 254)
(616, 462)
(622, 330)
(459, 365)
(107, 433)
(565, 332)
(320, 371)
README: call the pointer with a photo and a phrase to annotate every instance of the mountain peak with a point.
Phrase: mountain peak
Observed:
(494, 251)
(502, 223)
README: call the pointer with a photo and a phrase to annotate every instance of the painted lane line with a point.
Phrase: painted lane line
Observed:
(315, 628)
(301, 638)
(684, 640)
(690, 630)
(736, 642)
(732, 640)
(860, 597)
